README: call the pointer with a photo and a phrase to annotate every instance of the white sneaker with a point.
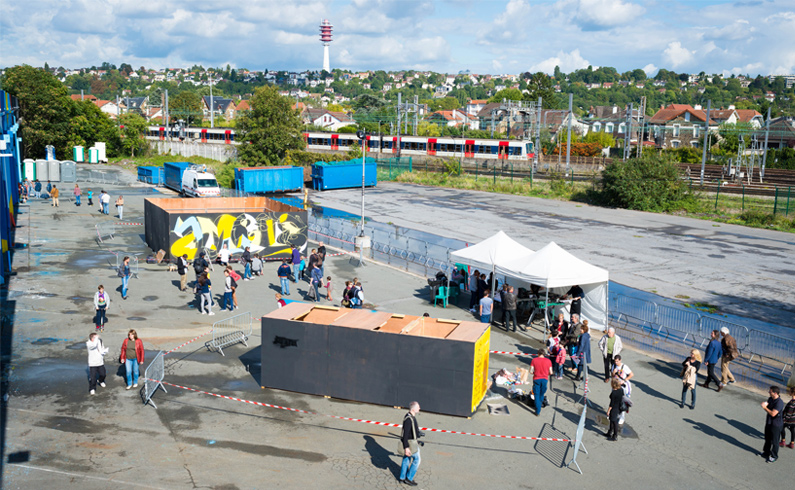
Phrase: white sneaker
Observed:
(211, 313)
(246, 279)
(203, 313)
(102, 385)
(135, 385)
(128, 387)
(92, 392)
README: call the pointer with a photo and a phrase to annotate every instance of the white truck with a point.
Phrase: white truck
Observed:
(197, 182)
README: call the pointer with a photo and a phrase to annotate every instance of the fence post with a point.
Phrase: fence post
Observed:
(717, 195)
(789, 189)
(572, 177)
(476, 170)
(511, 172)
(390, 168)
(775, 202)
(494, 170)
(743, 196)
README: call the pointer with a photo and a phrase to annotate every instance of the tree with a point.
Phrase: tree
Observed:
(605, 140)
(187, 106)
(90, 125)
(45, 109)
(425, 128)
(508, 93)
(540, 85)
(132, 133)
(269, 129)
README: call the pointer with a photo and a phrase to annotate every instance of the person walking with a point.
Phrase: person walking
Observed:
(104, 200)
(90, 196)
(321, 256)
(182, 270)
(77, 193)
(284, 277)
(730, 353)
(614, 408)
(120, 206)
(540, 368)
(583, 349)
(485, 307)
(236, 278)
(624, 374)
(295, 255)
(124, 273)
(228, 303)
(610, 344)
(689, 376)
(473, 287)
(96, 362)
(509, 306)
(774, 423)
(329, 288)
(317, 278)
(37, 189)
(711, 357)
(54, 193)
(132, 356)
(788, 417)
(205, 292)
(409, 439)
(101, 304)
(245, 258)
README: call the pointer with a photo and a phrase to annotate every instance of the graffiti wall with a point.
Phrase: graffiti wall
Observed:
(270, 234)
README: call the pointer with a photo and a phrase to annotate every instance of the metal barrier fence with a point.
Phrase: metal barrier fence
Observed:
(105, 229)
(581, 424)
(104, 177)
(685, 326)
(153, 378)
(231, 331)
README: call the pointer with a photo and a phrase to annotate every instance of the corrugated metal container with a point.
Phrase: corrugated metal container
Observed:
(55, 171)
(151, 175)
(343, 175)
(29, 169)
(68, 171)
(173, 174)
(269, 179)
(79, 154)
(93, 155)
(42, 170)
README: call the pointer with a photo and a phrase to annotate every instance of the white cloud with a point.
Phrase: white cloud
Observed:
(650, 69)
(676, 55)
(604, 14)
(510, 26)
(496, 65)
(568, 62)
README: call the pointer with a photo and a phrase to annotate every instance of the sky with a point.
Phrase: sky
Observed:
(482, 36)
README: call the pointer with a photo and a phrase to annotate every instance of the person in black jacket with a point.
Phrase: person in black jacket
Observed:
(199, 265)
(245, 259)
(411, 432)
(614, 409)
(690, 381)
(182, 270)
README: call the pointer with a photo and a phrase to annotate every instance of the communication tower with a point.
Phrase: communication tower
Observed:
(325, 38)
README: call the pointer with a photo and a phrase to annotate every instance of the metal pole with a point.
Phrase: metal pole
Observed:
(704, 151)
(398, 125)
(212, 109)
(81, 94)
(764, 157)
(537, 145)
(571, 116)
(416, 107)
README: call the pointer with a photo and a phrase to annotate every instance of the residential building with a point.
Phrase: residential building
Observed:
(222, 107)
(455, 118)
(325, 119)
(678, 125)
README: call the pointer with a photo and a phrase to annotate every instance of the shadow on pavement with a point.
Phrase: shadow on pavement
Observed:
(706, 429)
(381, 457)
(742, 427)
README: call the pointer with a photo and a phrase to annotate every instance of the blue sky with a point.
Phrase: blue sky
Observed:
(483, 36)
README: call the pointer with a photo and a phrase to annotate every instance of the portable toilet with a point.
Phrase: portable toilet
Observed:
(50, 152)
(79, 154)
(102, 156)
(68, 171)
(42, 170)
(55, 170)
(93, 155)
(29, 169)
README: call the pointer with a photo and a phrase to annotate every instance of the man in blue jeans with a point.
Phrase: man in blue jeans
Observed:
(284, 277)
(296, 260)
(540, 369)
(409, 437)
(245, 258)
(486, 304)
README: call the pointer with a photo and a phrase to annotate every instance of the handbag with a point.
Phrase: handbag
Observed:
(345, 302)
(413, 444)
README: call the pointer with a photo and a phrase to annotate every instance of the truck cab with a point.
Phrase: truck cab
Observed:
(197, 182)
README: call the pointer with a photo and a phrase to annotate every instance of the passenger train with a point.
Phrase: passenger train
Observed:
(442, 146)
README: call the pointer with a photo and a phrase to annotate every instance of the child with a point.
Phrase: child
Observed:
(90, 195)
(328, 288)
(279, 301)
(302, 267)
(237, 277)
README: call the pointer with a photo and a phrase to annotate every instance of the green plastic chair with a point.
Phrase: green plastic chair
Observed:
(441, 294)
(454, 291)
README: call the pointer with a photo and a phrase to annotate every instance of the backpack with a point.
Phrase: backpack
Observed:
(232, 282)
(198, 266)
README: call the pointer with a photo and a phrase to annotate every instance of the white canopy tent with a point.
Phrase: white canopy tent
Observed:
(553, 267)
(486, 254)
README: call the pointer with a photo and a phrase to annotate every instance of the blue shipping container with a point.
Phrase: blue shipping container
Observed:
(151, 175)
(269, 179)
(343, 175)
(173, 174)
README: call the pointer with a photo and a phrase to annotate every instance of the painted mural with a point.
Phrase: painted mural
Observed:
(269, 234)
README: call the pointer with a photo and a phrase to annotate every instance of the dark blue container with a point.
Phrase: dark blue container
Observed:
(151, 175)
(262, 180)
(173, 174)
(343, 175)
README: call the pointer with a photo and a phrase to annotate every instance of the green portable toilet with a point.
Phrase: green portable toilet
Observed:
(93, 155)
(79, 154)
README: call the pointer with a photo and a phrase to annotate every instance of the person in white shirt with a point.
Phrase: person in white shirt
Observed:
(623, 373)
(96, 362)
(223, 255)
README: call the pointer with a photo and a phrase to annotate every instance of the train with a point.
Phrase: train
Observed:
(438, 146)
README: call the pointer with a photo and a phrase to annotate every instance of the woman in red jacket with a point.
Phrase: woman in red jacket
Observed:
(132, 355)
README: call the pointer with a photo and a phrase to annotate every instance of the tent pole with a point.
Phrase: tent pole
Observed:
(546, 303)
(607, 303)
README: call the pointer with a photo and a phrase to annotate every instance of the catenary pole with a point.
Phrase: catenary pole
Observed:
(706, 133)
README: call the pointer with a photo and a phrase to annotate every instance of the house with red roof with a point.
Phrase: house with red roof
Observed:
(679, 125)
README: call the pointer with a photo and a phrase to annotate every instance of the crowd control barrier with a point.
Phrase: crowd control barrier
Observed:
(153, 378)
(231, 331)
(106, 229)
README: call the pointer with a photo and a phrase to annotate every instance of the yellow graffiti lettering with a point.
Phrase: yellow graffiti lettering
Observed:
(185, 245)
(225, 224)
(271, 239)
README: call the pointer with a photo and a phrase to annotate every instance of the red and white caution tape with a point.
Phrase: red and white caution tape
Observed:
(131, 223)
(509, 353)
(188, 342)
(363, 421)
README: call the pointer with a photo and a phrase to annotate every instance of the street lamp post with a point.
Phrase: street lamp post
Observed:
(362, 241)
